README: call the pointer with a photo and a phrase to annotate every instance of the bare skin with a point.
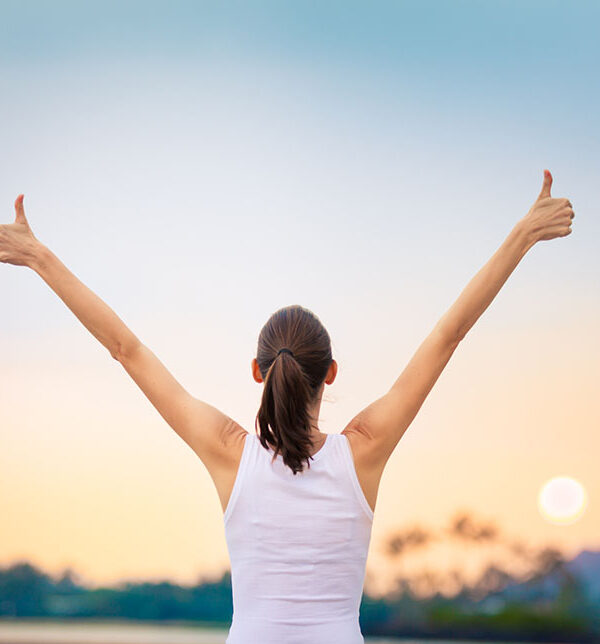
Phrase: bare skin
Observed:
(215, 437)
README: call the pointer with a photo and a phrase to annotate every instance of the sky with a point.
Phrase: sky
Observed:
(200, 165)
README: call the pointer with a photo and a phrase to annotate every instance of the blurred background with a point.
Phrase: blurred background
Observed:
(200, 165)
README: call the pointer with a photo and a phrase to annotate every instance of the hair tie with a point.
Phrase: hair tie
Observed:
(286, 350)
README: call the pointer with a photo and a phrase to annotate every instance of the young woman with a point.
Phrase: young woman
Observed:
(298, 504)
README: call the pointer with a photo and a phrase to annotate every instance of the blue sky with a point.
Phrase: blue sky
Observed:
(200, 165)
(441, 114)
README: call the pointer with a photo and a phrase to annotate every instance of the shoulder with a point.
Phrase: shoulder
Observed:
(367, 451)
(228, 446)
(233, 440)
(223, 469)
(369, 460)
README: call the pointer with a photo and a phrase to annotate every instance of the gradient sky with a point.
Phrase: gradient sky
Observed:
(199, 165)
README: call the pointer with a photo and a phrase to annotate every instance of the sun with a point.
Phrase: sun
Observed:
(562, 500)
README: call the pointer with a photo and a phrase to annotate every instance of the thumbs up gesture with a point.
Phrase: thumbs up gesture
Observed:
(18, 244)
(549, 217)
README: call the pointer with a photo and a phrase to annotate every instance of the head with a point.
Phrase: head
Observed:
(293, 384)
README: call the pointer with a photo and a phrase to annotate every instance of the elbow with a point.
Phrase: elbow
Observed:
(115, 352)
(458, 336)
(452, 336)
(121, 351)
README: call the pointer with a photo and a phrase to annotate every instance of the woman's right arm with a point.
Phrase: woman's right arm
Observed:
(384, 421)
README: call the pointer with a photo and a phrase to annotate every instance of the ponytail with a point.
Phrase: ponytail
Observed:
(292, 379)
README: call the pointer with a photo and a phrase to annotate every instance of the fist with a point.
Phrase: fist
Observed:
(549, 217)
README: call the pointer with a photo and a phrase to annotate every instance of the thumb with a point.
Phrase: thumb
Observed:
(545, 192)
(20, 218)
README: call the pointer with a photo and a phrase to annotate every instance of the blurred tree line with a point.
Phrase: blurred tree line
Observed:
(553, 600)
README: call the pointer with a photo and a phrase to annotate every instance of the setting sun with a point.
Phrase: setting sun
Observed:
(562, 500)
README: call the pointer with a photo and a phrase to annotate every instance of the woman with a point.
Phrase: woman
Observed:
(298, 504)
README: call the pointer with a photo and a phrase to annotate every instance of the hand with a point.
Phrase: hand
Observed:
(549, 217)
(18, 244)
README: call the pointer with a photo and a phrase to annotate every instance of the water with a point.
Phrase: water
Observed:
(40, 632)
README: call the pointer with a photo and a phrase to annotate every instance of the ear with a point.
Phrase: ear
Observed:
(331, 373)
(256, 371)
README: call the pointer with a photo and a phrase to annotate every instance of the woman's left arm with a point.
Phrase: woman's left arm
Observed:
(203, 427)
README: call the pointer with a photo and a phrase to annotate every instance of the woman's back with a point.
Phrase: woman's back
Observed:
(298, 547)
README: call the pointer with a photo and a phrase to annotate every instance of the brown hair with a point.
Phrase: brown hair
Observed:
(291, 382)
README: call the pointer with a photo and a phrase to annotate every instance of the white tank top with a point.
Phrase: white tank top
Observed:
(298, 547)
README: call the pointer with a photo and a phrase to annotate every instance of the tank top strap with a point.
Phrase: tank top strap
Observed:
(345, 453)
(249, 453)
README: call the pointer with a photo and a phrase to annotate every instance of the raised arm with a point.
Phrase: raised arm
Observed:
(384, 421)
(203, 427)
